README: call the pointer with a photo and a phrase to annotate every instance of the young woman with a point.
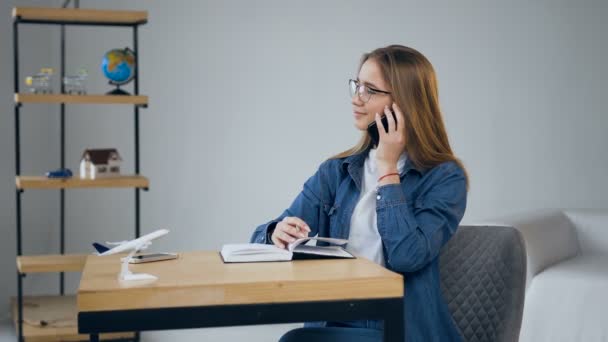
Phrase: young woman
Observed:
(397, 203)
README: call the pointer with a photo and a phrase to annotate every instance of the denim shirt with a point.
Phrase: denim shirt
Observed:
(415, 219)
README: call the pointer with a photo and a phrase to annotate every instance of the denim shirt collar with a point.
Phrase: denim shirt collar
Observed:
(354, 166)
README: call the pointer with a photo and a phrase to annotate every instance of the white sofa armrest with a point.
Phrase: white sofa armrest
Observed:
(549, 236)
(591, 227)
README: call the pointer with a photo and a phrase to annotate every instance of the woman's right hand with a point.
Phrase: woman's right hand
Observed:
(288, 230)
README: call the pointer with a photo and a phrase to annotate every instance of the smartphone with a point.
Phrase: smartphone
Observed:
(372, 128)
(141, 258)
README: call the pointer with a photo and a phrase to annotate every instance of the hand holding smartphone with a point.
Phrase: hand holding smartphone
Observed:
(372, 128)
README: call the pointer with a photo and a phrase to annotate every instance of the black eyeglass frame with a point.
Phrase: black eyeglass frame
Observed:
(358, 92)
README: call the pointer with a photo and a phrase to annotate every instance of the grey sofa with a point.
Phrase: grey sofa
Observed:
(567, 274)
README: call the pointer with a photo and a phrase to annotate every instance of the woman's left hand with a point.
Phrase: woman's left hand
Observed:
(392, 144)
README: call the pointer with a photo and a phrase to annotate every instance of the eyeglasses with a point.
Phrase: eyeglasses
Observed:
(365, 92)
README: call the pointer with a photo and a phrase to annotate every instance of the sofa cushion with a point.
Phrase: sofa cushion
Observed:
(568, 301)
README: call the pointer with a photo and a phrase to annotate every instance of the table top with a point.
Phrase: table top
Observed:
(201, 278)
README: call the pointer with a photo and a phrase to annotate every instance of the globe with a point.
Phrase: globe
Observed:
(118, 65)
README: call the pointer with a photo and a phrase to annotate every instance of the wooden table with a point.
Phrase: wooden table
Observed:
(198, 290)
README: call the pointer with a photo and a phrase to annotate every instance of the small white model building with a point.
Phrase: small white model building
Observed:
(99, 163)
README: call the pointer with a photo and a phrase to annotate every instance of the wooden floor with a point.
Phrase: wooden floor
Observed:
(254, 333)
(52, 318)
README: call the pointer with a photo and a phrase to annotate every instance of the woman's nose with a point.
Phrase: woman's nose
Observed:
(356, 100)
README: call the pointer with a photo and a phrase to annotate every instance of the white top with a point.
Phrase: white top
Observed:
(364, 239)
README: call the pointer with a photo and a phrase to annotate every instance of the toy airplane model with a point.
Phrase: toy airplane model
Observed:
(134, 246)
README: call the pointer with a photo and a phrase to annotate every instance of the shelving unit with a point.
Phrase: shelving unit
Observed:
(61, 308)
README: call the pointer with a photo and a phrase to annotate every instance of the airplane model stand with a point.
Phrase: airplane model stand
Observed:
(127, 275)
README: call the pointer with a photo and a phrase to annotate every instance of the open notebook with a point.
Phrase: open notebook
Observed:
(255, 252)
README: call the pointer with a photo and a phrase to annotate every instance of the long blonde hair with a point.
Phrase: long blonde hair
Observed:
(414, 88)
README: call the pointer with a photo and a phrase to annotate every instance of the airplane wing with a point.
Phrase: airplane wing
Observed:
(136, 244)
(117, 243)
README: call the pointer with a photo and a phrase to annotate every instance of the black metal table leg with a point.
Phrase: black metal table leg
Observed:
(394, 322)
(94, 337)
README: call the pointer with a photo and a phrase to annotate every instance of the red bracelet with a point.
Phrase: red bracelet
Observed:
(390, 174)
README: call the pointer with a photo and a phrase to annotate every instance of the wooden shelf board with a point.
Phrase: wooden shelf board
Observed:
(81, 99)
(60, 313)
(79, 15)
(42, 182)
(51, 263)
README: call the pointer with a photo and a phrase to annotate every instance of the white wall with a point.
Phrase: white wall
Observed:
(247, 98)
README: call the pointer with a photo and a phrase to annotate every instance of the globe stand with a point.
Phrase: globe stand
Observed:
(117, 91)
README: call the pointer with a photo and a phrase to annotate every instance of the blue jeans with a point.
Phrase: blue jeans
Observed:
(333, 334)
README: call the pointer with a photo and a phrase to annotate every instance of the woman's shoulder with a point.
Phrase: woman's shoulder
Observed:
(334, 166)
(338, 162)
(330, 168)
(450, 170)
(448, 167)
(332, 162)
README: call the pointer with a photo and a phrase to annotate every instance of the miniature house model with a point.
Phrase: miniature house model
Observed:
(99, 163)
